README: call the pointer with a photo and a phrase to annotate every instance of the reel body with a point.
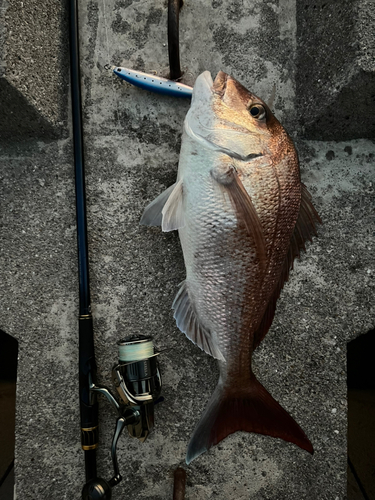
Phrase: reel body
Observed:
(138, 382)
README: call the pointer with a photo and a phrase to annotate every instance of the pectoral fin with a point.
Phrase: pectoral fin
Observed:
(166, 210)
(173, 210)
(228, 178)
(152, 216)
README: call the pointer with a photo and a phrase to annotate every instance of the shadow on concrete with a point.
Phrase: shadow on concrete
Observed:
(22, 119)
(34, 78)
(351, 115)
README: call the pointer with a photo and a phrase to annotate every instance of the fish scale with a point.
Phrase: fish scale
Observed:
(243, 215)
(211, 248)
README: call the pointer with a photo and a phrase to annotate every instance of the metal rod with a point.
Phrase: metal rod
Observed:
(87, 365)
(179, 484)
(174, 7)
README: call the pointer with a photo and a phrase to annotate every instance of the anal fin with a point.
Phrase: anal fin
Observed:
(189, 324)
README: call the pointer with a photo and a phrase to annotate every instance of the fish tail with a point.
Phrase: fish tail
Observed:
(249, 409)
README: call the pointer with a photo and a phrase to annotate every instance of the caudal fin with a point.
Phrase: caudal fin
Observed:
(250, 409)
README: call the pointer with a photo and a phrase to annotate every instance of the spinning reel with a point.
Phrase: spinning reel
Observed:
(138, 383)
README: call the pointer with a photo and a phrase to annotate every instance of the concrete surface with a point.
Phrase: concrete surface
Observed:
(34, 69)
(132, 144)
(336, 69)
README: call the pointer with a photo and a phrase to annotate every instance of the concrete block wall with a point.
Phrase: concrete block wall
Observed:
(132, 141)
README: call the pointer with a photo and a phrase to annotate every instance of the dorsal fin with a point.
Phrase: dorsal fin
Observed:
(304, 230)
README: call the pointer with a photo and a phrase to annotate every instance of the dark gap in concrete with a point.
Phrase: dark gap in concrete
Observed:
(5, 477)
(361, 416)
(8, 378)
(360, 357)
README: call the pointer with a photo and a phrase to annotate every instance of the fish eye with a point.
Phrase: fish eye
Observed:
(257, 111)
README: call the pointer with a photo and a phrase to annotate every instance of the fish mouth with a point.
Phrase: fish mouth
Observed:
(220, 83)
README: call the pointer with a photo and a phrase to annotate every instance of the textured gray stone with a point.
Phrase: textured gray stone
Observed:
(34, 70)
(135, 272)
(336, 69)
(132, 144)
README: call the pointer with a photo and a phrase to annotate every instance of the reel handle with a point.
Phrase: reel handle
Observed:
(98, 488)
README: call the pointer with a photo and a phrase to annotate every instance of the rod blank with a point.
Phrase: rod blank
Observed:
(87, 366)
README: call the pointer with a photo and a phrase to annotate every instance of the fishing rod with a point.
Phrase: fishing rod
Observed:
(87, 364)
(136, 376)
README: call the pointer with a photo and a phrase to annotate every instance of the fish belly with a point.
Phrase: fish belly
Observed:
(222, 270)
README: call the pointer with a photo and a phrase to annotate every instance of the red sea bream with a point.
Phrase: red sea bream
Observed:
(243, 215)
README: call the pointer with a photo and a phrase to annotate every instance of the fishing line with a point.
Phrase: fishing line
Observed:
(135, 351)
(108, 66)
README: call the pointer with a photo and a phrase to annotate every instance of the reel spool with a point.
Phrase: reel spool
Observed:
(138, 381)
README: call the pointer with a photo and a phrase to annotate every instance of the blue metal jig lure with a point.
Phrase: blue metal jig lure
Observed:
(154, 83)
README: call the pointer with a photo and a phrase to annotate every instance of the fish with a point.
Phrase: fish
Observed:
(243, 216)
